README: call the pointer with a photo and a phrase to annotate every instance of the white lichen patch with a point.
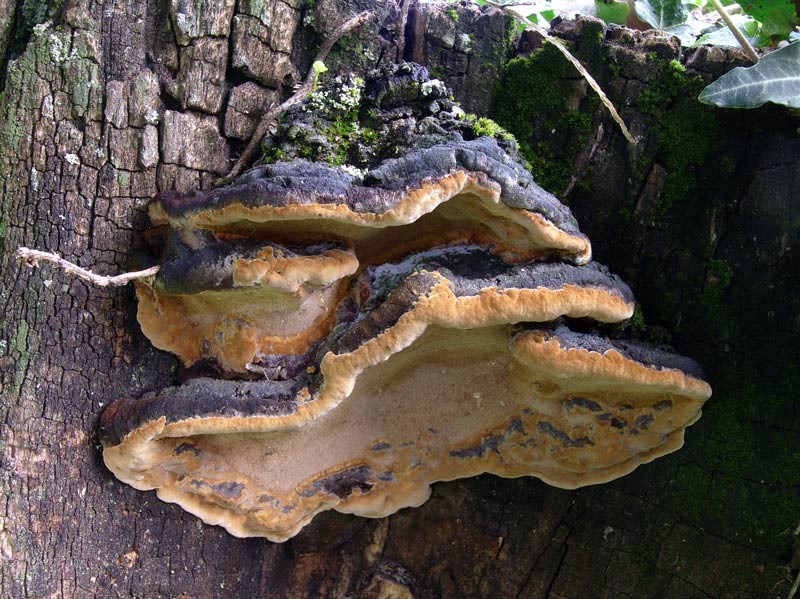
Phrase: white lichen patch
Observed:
(356, 172)
(59, 50)
(344, 98)
(434, 87)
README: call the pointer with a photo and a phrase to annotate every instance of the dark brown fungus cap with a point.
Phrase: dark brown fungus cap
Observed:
(456, 192)
(450, 287)
(241, 297)
(234, 302)
(525, 405)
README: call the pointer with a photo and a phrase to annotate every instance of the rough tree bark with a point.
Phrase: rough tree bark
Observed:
(113, 101)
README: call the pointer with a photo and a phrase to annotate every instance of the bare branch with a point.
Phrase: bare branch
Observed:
(32, 258)
(301, 93)
(575, 62)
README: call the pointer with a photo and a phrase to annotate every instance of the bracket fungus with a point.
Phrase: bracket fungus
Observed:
(373, 333)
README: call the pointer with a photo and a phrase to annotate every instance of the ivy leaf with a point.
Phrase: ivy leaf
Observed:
(724, 37)
(612, 11)
(691, 29)
(778, 17)
(776, 78)
(661, 14)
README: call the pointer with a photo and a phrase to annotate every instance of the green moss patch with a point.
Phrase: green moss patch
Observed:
(530, 101)
(684, 131)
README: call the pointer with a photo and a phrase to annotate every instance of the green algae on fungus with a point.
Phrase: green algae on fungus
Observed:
(331, 129)
(486, 126)
(346, 122)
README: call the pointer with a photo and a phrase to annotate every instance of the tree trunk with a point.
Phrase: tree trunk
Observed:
(110, 103)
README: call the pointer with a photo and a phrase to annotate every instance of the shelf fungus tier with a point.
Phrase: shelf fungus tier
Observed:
(234, 302)
(455, 192)
(432, 380)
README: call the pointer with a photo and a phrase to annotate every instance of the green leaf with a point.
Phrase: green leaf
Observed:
(776, 78)
(689, 31)
(549, 15)
(778, 17)
(612, 11)
(661, 14)
(319, 67)
(724, 37)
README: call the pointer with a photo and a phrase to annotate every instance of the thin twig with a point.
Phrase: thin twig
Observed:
(743, 42)
(796, 585)
(299, 95)
(32, 258)
(575, 62)
(794, 588)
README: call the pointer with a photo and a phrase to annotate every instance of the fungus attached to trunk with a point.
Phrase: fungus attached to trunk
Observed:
(238, 298)
(382, 331)
(431, 383)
